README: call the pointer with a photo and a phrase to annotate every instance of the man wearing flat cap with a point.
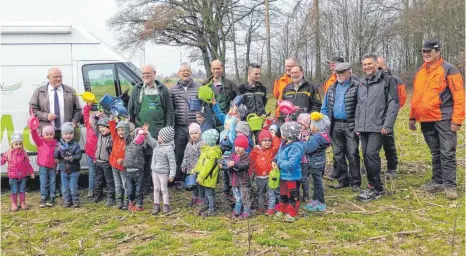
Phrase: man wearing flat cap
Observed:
(333, 77)
(340, 106)
(438, 104)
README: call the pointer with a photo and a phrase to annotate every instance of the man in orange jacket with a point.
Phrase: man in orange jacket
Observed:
(282, 82)
(438, 104)
(333, 77)
(388, 141)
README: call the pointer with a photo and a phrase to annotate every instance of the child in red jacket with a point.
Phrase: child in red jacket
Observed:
(91, 144)
(261, 159)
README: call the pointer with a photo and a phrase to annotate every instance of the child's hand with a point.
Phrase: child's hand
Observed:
(57, 161)
(274, 165)
(231, 163)
(171, 179)
(213, 101)
(145, 127)
(120, 161)
(33, 176)
(100, 114)
(220, 166)
(68, 158)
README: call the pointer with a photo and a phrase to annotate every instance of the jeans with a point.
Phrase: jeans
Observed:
(317, 169)
(134, 186)
(160, 185)
(181, 140)
(120, 183)
(209, 196)
(442, 144)
(371, 144)
(69, 186)
(345, 145)
(18, 185)
(104, 170)
(242, 197)
(305, 168)
(147, 173)
(263, 188)
(90, 163)
(47, 179)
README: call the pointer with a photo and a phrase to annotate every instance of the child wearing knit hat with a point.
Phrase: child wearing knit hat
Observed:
(304, 121)
(202, 121)
(191, 155)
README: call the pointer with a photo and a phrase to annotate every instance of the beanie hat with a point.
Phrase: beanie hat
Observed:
(167, 134)
(122, 124)
(242, 141)
(67, 127)
(304, 119)
(103, 122)
(273, 127)
(243, 127)
(290, 130)
(319, 121)
(48, 129)
(264, 134)
(201, 112)
(194, 127)
(242, 111)
(16, 137)
(210, 137)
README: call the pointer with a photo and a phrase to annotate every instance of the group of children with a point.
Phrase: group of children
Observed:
(295, 151)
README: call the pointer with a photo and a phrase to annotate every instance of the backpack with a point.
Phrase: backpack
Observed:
(274, 178)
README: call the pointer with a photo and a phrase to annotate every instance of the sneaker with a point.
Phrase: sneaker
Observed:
(98, 198)
(450, 193)
(42, 203)
(119, 203)
(260, 211)
(316, 206)
(90, 194)
(270, 212)
(138, 208)
(432, 187)
(355, 188)
(229, 197)
(235, 214)
(125, 205)
(369, 195)
(369, 186)
(278, 215)
(67, 204)
(390, 174)
(199, 202)
(166, 209)
(245, 215)
(51, 202)
(202, 210)
(110, 202)
(156, 209)
(131, 206)
(76, 205)
(289, 218)
(208, 213)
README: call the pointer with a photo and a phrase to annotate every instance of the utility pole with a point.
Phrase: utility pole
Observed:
(267, 33)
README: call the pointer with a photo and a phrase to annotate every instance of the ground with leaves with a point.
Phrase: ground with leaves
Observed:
(404, 222)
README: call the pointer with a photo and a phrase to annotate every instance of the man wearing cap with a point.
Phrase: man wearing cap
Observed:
(438, 104)
(282, 82)
(330, 80)
(340, 106)
(376, 113)
(389, 146)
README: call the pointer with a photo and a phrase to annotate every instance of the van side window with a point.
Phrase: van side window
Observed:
(100, 79)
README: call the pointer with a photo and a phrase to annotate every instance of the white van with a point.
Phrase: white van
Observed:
(29, 49)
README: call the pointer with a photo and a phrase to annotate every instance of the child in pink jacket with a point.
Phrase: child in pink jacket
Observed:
(19, 168)
(45, 149)
(91, 144)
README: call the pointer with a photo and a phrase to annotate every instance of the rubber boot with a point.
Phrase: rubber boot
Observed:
(22, 200)
(14, 202)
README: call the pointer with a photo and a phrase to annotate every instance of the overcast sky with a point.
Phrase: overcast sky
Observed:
(91, 15)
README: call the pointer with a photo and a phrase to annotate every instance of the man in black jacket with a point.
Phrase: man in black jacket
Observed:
(254, 93)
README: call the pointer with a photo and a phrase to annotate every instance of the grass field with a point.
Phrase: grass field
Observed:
(404, 222)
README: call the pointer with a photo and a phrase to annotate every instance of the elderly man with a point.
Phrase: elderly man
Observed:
(184, 90)
(55, 103)
(282, 82)
(224, 89)
(376, 113)
(389, 146)
(330, 80)
(438, 104)
(301, 92)
(340, 106)
(150, 103)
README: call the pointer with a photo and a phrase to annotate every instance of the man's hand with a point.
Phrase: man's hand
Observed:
(171, 179)
(51, 116)
(412, 125)
(33, 176)
(455, 128)
(385, 131)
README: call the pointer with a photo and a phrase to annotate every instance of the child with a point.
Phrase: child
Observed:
(242, 128)
(238, 166)
(163, 168)
(102, 165)
(261, 164)
(91, 144)
(201, 120)
(19, 168)
(304, 121)
(191, 155)
(315, 147)
(133, 163)
(68, 153)
(288, 161)
(207, 170)
(45, 159)
(120, 135)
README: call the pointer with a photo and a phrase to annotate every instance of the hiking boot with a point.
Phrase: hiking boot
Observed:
(51, 202)
(229, 197)
(125, 205)
(369, 195)
(278, 215)
(110, 202)
(355, 188)
(390, 174)
(245, 215)
(450, 193)
(166, 209)
(235, 214)
(289, 218)
(339, 186)
(316, 206)
(138, 208)
(90, 194)
(98, 198)
(42, 203)
(131, 206)
(199, 202)
(76, 204)
(67, 204)
(208, 213)
(432, 187)
(270, 212)
(119, 203)
(156, 209)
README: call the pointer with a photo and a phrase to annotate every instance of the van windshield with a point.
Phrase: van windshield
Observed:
(133, 68)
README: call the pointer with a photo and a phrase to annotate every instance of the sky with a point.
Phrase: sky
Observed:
(92, 15)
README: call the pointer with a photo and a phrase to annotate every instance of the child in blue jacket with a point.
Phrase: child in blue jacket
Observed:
(315, 147)
(288, 161)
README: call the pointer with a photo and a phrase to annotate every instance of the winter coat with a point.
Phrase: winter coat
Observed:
(180, 97)
(261, 160)
(18, 163)
(104, 143)
(377, 105)
(227, 137)
(229, 90)
(118, 147)
(91, 138)
(206, 125)
(191, 155)
(207, 166)
(278, 88)
(70, 149)
(45, 150)
(135, 154)
(351, 100)
(307, 96)
(329, 81)
(255, 98)
(239, 175)
(288, 160)
(316, 147)
(163, 159)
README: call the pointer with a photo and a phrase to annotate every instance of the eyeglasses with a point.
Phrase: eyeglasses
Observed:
(56, 77)
(267, 140)
(147, 73)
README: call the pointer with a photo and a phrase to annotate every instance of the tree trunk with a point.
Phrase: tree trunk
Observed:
(235, 54)
(318, 53)
(267, 33)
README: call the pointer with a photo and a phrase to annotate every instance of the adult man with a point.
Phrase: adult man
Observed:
(340, 106)
(55, 103)
(184, 90)
(388, 141)
(282, 82)
(150, 103)
(330, 80)
(254, 93)
(376, 113)
(438, 104)
(224, 89)
(301, 92)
